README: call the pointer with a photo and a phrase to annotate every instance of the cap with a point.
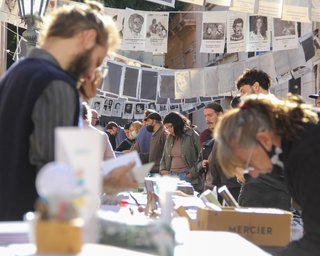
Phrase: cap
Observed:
(315, 96)
(154, 116)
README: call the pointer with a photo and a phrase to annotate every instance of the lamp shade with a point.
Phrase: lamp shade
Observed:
(33, 8)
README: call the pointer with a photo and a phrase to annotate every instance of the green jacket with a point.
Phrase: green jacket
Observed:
(190, 148)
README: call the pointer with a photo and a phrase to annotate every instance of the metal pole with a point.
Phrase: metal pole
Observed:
(3, 47)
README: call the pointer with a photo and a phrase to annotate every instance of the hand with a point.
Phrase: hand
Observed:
(205, 163)
(164, 172)
(189, 175)
(89, 84)
(240, 176)
(118, 180)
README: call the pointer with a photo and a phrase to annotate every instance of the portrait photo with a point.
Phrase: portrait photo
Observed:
(152, 106)
(208, 31)
(258, 27)
(139, 109)
(117, 109)
(237, 28)
(135, 24)
(128, 107)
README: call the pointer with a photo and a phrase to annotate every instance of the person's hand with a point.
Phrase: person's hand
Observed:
(205, 163)
(89, 84)
(240, 176)
(164, 172)
(118, 180)
(189, 175)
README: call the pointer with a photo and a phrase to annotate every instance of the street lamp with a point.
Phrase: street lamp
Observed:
(31, 11)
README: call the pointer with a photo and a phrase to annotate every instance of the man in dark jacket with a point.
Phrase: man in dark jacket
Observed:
(72, 46)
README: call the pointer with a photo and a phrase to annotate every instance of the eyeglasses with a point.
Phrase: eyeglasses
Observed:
(247, 169)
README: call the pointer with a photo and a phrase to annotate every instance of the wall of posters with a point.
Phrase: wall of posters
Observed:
(271, 8)
(296, 10)
(213, 32)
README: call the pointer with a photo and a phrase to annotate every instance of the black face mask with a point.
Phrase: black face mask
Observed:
(149, 128)
(274, 155)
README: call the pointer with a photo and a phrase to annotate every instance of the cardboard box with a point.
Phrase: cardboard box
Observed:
(58, 236)
(262, 226)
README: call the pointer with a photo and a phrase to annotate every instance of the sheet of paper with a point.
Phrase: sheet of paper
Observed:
(82, 150)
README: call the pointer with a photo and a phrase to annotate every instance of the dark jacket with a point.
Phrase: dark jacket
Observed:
(20, 88)
(190, 149)
(301, 159)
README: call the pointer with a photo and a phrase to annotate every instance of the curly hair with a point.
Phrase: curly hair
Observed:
(239, 126)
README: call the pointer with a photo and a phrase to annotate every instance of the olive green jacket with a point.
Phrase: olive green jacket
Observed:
(190, 149)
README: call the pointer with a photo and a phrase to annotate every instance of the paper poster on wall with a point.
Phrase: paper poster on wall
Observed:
(211, 81)
(182, 84)
(238, 69)
(213, 32)
(117, 108)
(127, 111)
(163, 109)
(236, 27)
(112, 81)
(266, 63)
(107, 107)
(174, 107)
(281, 62)
(157, 32)
(284, 35)
(281, 90)
(167, 83)
(247, 6)
(252, 62)
(197, 82)
(97, 104)
(169, 3)
(296, 10)
(139, 110)
(134, 36)
(153, 106)
(258, 34)
(270, 8)
(118, 16)
(130, 82)
(197, 2)
(9, 12)
(149, 84)
(315, 10)
(226, 82)
(219, 2)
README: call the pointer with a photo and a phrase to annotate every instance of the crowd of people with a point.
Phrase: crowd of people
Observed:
(263, 149)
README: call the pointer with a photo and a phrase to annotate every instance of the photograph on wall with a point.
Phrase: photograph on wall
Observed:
(166, 83)
(130, 82)
(134, 36)
(174, 107)
(284, 35)
(118, 16)
(213, 32)
(258, 34)
(236, 28)
(117, 108)
(157, 32)
(139, 110)
(127, 111)
(97, 104)
(153, 106)
(169, 3)
(219, 2)
(111, 82)
(182, 84)
(9, 11)
(270, 8)
(148, 84)
(107, 107)
(247, 6)
(163, 109)
(296, 10)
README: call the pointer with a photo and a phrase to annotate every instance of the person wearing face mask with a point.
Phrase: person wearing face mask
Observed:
(158, 139)
(265, 133)
(133, 134)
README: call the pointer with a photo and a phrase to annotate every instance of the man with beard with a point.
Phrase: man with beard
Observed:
(72, 46)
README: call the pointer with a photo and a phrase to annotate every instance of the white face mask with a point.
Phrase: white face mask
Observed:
(134, 134)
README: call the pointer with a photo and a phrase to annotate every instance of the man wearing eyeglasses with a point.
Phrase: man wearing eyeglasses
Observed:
(267, 190)
(72, 45)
